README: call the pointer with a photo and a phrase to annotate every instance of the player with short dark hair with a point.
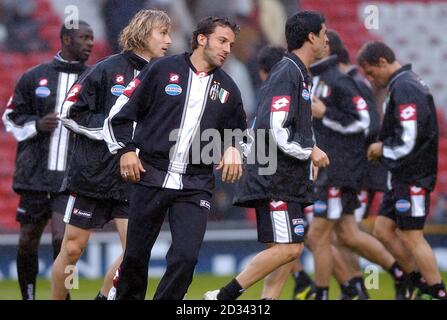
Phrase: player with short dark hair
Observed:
(341, 122)
(408, 147)
(284, 115)
(97, 192)
(174, 102)
(32, 116)
(267, 58)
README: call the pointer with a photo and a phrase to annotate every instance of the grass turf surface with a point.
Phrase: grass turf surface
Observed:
(9, 289)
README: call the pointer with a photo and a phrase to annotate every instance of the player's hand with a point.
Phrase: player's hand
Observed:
(231, 165)
(48, 123)
(375, 151)
(319, 157)
(318, 108)
(130, 167)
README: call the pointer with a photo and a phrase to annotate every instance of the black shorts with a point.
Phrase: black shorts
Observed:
(333, 202)
(37, 207)
(91, 213)
(280, 222)
(407, 205)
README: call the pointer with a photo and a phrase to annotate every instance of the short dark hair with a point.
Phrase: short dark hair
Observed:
(67, 30)
(207, 25)
(299, 25)
(337, 47)
(269, 56)
(372, 51)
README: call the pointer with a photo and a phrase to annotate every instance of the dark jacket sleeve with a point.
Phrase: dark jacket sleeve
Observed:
(348, 113)
(80, 112)
(119, 125)
(20, 117)
(408, 108)
(283, 105)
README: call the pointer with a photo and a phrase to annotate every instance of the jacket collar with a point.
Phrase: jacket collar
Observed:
(187, 56)
(397, 74)
(295, 59)
(135, 60)
(67, 66)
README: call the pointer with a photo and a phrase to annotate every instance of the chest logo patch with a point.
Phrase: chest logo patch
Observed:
(305, 94)
(119, 79)
(174, 78)
(173, 89)
(223, 95)
(117, 90)
(43, 92)
(214, 92)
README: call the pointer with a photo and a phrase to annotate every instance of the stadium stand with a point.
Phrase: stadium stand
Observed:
(419, 42)
(12, 66)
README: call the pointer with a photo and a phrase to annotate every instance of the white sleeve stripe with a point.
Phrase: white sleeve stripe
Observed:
(281, 136)
(109, 136)
(21, 133)
(409, 135)
(91, 133)
(355, 127)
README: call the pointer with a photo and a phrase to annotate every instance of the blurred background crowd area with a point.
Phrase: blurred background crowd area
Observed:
(29, 35)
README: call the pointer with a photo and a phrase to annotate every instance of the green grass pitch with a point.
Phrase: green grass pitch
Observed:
(9, 289)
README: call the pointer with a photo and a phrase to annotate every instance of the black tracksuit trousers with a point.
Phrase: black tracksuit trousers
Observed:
(188, 213)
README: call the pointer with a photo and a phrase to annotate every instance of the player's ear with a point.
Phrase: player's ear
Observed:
(382, 62)
(66, 40)
(202, 40)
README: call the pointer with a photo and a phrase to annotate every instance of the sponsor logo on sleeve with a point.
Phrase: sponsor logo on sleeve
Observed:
(173, 89)
(74, 93)
(131, 87)
(407, 112)
(360, 103)
(280, 103)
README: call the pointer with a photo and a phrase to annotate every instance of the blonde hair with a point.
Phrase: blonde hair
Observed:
(134, 35)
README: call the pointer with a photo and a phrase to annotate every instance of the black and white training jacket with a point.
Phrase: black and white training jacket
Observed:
(93, 171)
(410, 131)
(41, 157)
(173, 104)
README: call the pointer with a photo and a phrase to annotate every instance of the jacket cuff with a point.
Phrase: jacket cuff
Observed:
(129, 148)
